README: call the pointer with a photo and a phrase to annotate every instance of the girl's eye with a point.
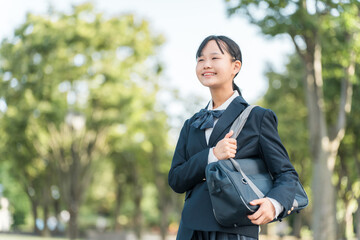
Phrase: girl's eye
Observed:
(214, 58)
(200, 60)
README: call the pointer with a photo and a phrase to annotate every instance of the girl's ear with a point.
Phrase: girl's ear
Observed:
(237, 66)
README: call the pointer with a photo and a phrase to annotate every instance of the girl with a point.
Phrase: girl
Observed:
(205, 138)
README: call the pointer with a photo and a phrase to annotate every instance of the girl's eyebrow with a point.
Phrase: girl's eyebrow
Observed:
(214, 53)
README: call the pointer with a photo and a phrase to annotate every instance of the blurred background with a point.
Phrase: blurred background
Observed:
(93, 96)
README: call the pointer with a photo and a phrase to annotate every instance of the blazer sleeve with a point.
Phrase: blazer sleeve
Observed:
(186, 171)
(276, 157)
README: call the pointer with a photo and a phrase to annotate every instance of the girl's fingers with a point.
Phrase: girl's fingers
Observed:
(233, 146)
(226, 148)
(229, 134)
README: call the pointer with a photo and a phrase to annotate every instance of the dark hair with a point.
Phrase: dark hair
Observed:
(229, 45)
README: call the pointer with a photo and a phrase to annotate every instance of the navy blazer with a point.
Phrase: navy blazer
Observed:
(258, 138)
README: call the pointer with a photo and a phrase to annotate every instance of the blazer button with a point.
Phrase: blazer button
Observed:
(292, 209)
(289, 212)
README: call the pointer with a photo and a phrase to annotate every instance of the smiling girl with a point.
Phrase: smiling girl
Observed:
(205, 138)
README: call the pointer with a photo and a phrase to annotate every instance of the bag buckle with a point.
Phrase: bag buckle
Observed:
(244, 181)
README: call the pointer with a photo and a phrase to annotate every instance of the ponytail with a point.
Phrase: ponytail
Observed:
(235, 87)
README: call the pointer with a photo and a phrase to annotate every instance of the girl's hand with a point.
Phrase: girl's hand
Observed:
(265, 213)
(226, 148)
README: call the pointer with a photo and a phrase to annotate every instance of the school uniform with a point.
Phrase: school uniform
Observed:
(258, 138)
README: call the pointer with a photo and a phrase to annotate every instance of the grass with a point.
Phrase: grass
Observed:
(27, 237)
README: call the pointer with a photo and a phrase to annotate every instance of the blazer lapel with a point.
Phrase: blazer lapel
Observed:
(230, 114)
(200, 134)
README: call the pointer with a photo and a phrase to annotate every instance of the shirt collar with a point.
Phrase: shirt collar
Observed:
(225, 104)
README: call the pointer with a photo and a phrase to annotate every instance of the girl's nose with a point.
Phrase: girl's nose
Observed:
(207, 64)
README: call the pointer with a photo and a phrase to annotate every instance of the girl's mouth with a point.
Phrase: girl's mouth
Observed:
(208, 74)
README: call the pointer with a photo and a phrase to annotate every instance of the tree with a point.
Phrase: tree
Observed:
(308, 26)
(285, 96)
(293, 132)
(73, 64)
(141, 156)
(160, 158)
(71, 153)
(347, 178)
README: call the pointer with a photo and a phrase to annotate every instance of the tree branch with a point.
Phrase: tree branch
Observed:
(346, 93)
(298, 50)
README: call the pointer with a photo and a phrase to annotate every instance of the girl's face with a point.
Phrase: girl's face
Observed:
(215, 69)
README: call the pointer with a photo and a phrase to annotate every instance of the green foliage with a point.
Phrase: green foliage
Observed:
(13, 191)
(91, 72)
(285, 96)
(296, 18)
(348, 168)
(325, 35)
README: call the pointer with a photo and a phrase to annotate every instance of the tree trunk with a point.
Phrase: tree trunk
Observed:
(349, 222)
(357, 164)
(164, 222)
(341, 221)
(118, 201)
(324, 214)
(164, 208)
(138, 213)
(324, 218)
(138, 194)
(73, 224)
(56, 206)
(34, 206)
(45, 232)
(357, 220)
(357, 213)
(264, 229)
(346, 224)
(341, 235)
(296, 229)
(163, 192)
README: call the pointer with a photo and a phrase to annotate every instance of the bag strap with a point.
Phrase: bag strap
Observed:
(237, 126)
(239, 123)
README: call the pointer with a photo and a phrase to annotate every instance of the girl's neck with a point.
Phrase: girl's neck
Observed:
(220, 96)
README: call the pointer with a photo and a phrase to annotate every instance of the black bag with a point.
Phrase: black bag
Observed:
(234, 183)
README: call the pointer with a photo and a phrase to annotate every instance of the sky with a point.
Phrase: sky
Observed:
(184, 23)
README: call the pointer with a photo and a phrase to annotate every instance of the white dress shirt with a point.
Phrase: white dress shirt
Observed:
(212, 158)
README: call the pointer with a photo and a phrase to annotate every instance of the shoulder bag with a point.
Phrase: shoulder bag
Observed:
(234, 183)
